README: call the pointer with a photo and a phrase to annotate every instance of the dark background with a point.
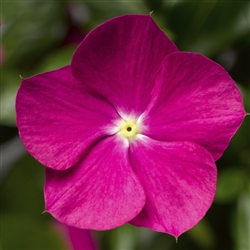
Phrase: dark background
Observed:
(38, 36)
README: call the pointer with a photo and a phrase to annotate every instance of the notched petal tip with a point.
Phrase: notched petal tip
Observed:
(120, 59)
(101, 192)
(213, 104)
(53, 127)
(179, 182)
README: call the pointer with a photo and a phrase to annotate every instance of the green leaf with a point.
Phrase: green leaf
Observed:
(241, 227)
(22, 189)
(231, 182)
(30, 29)
(10, 84)
(101, 11)
(20, 231)
(203, 235)
(208, 27)
(56, 59)
(23, 226)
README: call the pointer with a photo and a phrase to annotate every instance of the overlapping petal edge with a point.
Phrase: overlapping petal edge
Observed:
(160, 181)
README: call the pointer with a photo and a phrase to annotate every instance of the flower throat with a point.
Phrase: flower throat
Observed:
(128, 128)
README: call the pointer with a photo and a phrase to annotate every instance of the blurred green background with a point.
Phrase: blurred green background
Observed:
(38, 36)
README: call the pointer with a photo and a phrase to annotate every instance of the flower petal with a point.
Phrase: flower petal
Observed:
(81, 239)
(195, 100)
(120, 60)
(75, 238)
(179, 179)
(101, 192)
(58, 119)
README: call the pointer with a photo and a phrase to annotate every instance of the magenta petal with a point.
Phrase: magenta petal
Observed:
(58, 119)
(179, 179)
(194, 100)
(81, 239)
(120, 59)
(100, 192)
(75, 238)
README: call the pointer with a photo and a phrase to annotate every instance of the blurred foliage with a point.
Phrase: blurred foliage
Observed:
(22, 222)
(38, 36)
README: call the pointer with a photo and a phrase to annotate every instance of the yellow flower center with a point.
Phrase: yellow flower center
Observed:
(128, 129)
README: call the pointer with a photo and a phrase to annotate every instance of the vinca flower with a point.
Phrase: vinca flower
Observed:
(130, 131)
(75, 238)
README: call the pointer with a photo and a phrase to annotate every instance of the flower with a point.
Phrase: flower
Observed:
(1, 55)
(75, 238)
(131, 130)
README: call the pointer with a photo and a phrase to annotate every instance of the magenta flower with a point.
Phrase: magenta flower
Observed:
(1, 55)
(75, 238)
(131, 130)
